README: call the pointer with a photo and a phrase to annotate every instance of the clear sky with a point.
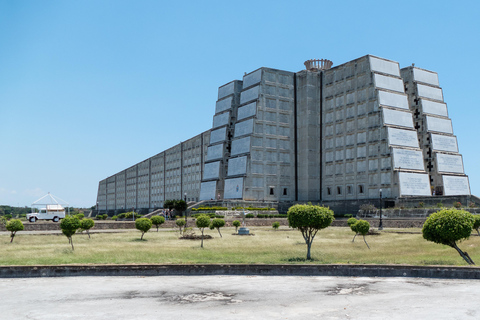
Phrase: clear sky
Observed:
(89, 88)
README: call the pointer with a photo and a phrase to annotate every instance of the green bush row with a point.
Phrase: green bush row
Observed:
(270, 216)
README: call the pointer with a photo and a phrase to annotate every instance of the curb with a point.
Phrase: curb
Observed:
(340, 270)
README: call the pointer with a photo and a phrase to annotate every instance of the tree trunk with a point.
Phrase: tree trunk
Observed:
(309, 245)
(12, 236)
(157, 228)
(478, 232)
(141, 238)
(464, 255)
(71, 241)
(366, 242)
(88, 232)
(219, 232)
(354, 237)
(202, 239)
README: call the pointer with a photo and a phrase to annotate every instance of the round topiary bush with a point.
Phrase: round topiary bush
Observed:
(180, 224)
(13, 226)
(69, 226)
(236, 224)
(476, 223)
(87, 224)
(448, 226)
(362, 227)
(157, 221)
(202, 222)
(143, 224)
(217, 224)
(276, 225)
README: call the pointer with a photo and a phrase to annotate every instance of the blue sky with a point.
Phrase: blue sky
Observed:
(89, 88)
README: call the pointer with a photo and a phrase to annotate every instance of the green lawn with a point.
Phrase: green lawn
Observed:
(331, 245)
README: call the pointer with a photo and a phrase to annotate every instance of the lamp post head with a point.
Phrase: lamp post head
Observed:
(380, 193)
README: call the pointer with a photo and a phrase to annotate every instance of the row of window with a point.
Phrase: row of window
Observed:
(349, 190)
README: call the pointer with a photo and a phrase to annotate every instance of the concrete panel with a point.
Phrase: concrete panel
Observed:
(233, 188)
(391, 99)
(398, 118)
(247, 110)
(221, 119)
(252, 78)
(400, 137)
(444, 143)
(237, 166)
(408, 159)
(243, 128)
(384, 66)
(432, 107)
(207, 190)
(218, 135)
(455, 186)
(425, 76)
(249, 95)
(388, 83)
(240, 146)
(215, 152)
(414, 184)
(439, 125)
(429, 92)
(449, 163)
(212, 170)
(223, 105)
(226, 90)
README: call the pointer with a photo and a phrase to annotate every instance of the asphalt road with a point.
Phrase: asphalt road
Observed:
(238, 297)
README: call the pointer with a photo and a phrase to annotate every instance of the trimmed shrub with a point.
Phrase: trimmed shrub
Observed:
(13, 226)
(217, 224)
(362, 227)
(448, 226)
(180, 224)
(476, 222)
(80, 216)
(69, 226)
(236, 224)
(276, 225)
(457, 205)
(202, 222)
(143, 224)
(114, 218)
(309, 219)
(157, 221)
(87, 224)
(249, 215)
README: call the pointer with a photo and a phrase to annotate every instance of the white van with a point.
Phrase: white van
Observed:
(53, 212)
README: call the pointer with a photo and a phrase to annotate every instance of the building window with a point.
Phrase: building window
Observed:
(329, 191)
(360, 189)
(349, 189)
(271, 191)
(284, 191)
(339, 190)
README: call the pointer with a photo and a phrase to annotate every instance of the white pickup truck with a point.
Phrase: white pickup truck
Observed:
(53, 212)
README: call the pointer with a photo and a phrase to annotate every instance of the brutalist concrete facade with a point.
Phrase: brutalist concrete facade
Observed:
(321, 134)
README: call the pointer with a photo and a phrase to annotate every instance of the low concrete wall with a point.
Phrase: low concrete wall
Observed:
(237, 269)
(251, 222)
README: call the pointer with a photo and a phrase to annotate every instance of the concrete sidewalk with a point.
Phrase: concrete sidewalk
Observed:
(238, 297)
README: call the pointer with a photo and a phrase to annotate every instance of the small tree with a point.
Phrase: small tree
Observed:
(69, 226)
(80, 216)
(13, 226)
(351, 223)
(476, 223)
(87, 224)
(202, 222)
(362, 228)
(276, 225)
(157, 221)
(180, 223)
(236, 224)
(448, 226)
(143, 224)
(309, 219)
(217, 224)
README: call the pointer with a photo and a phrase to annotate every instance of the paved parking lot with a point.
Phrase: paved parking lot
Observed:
(238, 297)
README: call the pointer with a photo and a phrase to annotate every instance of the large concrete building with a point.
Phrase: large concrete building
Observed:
(324, 134)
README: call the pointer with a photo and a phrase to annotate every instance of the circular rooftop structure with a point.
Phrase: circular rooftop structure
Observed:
(318, 64)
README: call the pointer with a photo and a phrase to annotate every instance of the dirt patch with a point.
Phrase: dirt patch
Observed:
(195, 237)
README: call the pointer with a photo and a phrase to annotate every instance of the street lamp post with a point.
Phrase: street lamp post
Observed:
(185, 197)
(133, 213)
(380, 226)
